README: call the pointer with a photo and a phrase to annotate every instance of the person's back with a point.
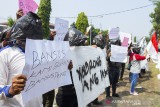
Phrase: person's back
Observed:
(135, 68)
(12, 61)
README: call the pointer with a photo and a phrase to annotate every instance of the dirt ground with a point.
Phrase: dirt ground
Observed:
(148, 88)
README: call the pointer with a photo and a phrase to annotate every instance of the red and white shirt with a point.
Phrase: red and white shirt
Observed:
(135, 62)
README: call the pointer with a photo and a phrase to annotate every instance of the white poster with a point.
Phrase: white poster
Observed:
(61, 27)
(46, 67)
(143, 45)
(118, 54)
(88, 28)
(127, 35)
(114, 33)
(89, 72)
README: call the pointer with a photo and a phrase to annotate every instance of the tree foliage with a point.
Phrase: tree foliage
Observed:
(155, 17)
(148, 39)
(11, 21)
(44, 11)
(104, 33)
(82, 22)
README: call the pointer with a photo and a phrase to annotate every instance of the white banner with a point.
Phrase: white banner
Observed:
(46, 67)
(61, 27)
(89, 73)
(118, 54)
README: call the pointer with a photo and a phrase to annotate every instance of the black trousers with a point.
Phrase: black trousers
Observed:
(122, 70)
(66, 96)
(48, 99)
(113, 78)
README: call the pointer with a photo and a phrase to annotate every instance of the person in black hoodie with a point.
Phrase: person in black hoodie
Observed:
(66, 96)
(48, 98)
(114, 69)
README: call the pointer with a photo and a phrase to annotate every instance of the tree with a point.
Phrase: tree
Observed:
(94, 32)
(82, 22)
(104, 33)
(11, 21)
(44, 11)
(134, 38)
(155, 17)
(73, 25)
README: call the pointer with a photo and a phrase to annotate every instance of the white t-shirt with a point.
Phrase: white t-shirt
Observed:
(12, 61)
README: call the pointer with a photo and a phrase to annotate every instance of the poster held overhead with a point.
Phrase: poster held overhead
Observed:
(28, 5)
(61, 27)
(114, 33)
(88, 28)
(125, 42)
(128, 35)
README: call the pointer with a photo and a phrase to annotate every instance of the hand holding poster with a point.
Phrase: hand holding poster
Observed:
(114, 33)
(61, 27)
(46, 67)
(28, 5)
(89, 73)
(118, 54)
(143, 45)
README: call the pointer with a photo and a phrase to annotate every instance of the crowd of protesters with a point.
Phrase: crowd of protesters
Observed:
(12, 61)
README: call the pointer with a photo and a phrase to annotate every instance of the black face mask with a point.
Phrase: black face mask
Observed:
(76, 37)
(136, 50)
(28, 26)
(115, 42)
(99, 40)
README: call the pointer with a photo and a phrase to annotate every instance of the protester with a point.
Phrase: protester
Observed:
(19, 14)
(5, 34)
(48, 98)
(66, 96)
(114, 69)
(12, 61)
(135, 68)
(129, 64)
(52, 35)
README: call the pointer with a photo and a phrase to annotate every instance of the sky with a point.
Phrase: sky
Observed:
(136, 22)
